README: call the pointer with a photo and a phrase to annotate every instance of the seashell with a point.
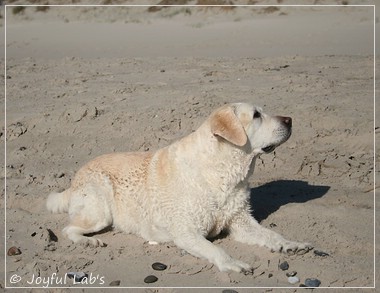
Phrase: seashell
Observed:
(291, 274)
(14, 251)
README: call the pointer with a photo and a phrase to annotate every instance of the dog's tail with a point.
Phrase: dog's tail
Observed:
(58, 202)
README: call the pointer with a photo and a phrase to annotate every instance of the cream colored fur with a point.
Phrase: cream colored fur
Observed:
(185, 192)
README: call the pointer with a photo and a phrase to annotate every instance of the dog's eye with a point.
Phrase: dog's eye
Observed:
(256, 114)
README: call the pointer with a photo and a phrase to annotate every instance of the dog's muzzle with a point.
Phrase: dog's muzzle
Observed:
(286, 123)
(269, 148)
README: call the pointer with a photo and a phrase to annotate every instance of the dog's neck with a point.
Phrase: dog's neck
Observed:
(216, 155)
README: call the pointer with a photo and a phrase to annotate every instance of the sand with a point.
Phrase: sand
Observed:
(86, 81)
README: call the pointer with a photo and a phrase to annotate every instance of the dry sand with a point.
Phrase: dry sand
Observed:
(87, 81)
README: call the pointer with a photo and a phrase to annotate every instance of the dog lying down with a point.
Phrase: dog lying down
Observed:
(185, 192)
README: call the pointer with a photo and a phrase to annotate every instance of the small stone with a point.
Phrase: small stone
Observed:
(320, 253)
(115, 283)
(284, 266)
(293, 280)
(52, 236)
(150, 279)
(270, 275)
(291, 274)
(33, 234)
(60, 175)
(159, 266)
(14, 251)
(77, 276)
(312, 282)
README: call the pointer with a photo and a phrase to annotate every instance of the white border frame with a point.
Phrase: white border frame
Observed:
(147, 5)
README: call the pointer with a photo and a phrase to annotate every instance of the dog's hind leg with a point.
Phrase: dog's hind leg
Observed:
(89, 212)
(80, 226)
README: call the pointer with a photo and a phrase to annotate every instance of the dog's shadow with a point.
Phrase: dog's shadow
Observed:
(268, 198)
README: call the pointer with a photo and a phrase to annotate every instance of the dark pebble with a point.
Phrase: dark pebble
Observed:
(320, 253)
(150, 279)
(311, 282)
(14, 251)
(115, 283)
(229, 291)
(270, 275)
(52, 236)
(284, 266)
(159, 266)
(33, 234)
(291, 274)
(61, 175)
(77, 276)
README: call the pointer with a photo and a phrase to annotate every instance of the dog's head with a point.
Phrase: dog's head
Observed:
(245, 125)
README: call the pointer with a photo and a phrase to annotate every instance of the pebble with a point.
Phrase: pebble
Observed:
(78, 276)
(291, 274)
(159, 266)
(293, 280)
(14, 251)
(150, 279)
(115, 283)
(284, 266)
(52, 236)
(320, 253)
(312, 282)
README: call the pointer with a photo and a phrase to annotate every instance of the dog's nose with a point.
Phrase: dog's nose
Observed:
(286, 120)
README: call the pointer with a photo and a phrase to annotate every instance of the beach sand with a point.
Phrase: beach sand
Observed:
(84, 81)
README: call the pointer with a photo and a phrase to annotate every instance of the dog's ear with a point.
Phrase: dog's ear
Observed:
(224, 123)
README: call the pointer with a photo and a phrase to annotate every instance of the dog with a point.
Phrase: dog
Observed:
(184, 193)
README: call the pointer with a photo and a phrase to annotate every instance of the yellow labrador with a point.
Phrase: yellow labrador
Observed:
(184, 192)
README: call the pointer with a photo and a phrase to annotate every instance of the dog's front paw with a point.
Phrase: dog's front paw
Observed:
(298, 248)
(292, 247)
(236, 266)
